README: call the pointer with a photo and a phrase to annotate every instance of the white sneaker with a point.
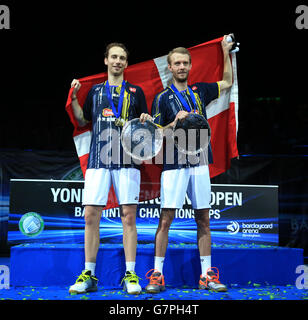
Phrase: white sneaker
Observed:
(84, 283)
(131, 283)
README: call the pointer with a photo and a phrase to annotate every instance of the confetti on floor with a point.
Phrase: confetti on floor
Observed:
(252, 291)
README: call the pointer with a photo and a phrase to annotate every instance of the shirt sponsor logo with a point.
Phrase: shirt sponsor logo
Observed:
(132, 89)
(107, 113)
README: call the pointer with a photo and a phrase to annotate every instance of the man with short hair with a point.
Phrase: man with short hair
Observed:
(169, 106)
(109, 105)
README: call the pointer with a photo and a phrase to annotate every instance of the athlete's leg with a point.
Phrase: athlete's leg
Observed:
(199, 191)
(87, 281)
(157, 281)
(92, 219)
(96, 189)
(95, 196)
(126, 183)
(203, 231)
(128, 217)
(173, 190)
(208, 278)
(162, 232)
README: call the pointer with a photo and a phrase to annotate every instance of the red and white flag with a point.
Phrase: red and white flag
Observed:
(153, 76)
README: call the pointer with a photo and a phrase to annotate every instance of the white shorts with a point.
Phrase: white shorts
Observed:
(194, 180)
(126, 184)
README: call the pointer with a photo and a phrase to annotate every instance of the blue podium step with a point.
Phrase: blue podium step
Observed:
(40, 264)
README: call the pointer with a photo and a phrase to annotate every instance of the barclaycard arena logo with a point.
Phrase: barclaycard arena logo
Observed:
(248, 229)
(233, 227)
(31, 224)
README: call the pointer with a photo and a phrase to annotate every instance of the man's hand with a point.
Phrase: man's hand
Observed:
(78, 112)
(76, 85)
(225, 45)
(181, 115)
(144, 117)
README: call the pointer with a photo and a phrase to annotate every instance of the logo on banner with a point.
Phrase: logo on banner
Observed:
(233, 227)
(31, 224)
(248, 229)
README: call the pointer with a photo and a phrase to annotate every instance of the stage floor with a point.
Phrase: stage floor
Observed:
(252, 291)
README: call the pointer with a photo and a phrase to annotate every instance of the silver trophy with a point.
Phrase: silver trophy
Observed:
(142, 141)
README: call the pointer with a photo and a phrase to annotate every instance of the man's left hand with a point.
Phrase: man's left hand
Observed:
(226, 46)
(144, 117)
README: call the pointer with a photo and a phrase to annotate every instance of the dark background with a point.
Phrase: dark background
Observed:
(51, 43)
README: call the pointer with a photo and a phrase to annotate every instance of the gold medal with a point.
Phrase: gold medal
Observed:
(119, 122)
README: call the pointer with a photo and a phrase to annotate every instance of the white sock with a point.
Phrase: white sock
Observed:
(90, 266)
(159, 263)
(130, 265)
(205, 264)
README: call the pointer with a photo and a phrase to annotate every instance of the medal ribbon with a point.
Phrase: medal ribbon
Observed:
(120, 105)
(182, 99)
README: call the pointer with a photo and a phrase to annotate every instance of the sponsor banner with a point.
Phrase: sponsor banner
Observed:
(51, 211)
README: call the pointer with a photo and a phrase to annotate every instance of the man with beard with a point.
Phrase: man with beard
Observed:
(109, 105)
(172, 105)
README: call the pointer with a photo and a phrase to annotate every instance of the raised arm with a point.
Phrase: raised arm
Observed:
(226, 81)
(78, 112)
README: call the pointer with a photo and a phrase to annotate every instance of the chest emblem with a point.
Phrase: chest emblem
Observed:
(107, 113)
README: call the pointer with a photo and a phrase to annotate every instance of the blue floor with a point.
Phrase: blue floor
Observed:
(252, 291)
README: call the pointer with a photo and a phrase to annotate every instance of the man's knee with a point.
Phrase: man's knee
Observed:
(165, 225)
(203, 220)
(92, 215)
(128, 214)
(166, 220)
